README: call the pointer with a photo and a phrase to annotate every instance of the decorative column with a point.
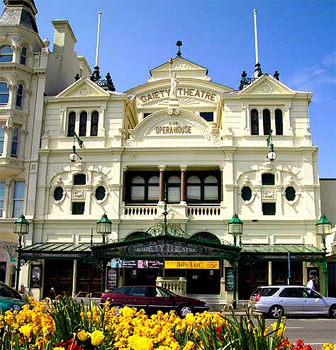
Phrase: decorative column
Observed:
(162, 169)
(74, 279)
(183, 184)
(270, 272)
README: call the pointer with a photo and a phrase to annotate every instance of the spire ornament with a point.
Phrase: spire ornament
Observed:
(179, 44)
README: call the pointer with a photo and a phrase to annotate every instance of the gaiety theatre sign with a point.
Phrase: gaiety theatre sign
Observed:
(185, 92)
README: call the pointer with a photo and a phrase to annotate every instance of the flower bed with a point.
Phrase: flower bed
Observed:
(66, 324)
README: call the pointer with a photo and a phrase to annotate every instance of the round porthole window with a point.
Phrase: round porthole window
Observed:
(58, 193)
(246, 193)
(290, 193)
(100, 193)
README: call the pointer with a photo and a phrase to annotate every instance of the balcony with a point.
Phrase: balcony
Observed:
(201, 212)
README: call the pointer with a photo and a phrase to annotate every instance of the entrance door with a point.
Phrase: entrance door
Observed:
(3, 271)
(203, 282)
(136, 277)
(88, 279)
(58, 276)
(250, 276)
(280, 272)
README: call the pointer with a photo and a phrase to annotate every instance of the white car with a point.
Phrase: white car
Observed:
(291, 300)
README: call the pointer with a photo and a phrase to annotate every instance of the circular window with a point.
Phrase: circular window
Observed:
(246, 193)
(58, 193)
(100, 193)
(290, 193)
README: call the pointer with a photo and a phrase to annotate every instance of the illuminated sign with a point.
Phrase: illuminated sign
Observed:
(205, 265)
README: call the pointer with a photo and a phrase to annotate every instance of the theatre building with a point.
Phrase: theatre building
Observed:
(169, 162)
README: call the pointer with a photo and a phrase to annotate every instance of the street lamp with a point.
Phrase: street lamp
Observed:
(104, 228)
(74, 156)
(20, 227)
(235, 228)
(271, 155)
(323, 229)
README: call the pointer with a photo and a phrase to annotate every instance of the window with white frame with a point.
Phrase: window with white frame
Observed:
(15, 142)
(2, 139)
(18, 198)
(6, 53)
(2, 197)
(19, 96)
(4, 93)
(23, 57)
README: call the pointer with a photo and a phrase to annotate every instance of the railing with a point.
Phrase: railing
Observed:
(203, 211)
(174, 284)
(140, 211)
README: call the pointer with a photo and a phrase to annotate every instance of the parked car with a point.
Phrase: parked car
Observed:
(10, 299)
(153, 299)
(291, 300)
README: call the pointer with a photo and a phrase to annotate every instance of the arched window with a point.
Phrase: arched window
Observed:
(153, 189)
(6, 53)
(174, 189)
(278, 122)
(19, 96)
(246, 193)
(79, 179)
(72, 124)
(211, 191)
(82, 123)
(94, 123)
(4, 93)
(206, 236)
(266, 121)
(138, 189)
(194, 189)
(267, 179)
(23, 57)
(254, 122)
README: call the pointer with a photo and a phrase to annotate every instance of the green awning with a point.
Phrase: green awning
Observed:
(301, 252)
(57, 251)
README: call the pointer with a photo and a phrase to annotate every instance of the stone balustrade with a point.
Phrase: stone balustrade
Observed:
(177, 285)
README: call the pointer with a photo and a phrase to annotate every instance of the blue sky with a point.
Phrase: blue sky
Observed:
(297, 38)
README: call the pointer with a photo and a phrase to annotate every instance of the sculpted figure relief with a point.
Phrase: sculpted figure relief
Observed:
(173, 85)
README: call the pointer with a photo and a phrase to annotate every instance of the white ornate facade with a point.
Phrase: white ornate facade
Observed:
(206, 140)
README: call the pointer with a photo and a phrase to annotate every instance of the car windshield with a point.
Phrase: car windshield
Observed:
(8, 292)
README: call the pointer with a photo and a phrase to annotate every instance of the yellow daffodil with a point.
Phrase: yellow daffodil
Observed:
(97, 337)
(26, 330)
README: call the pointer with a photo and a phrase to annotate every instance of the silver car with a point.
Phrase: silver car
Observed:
(291, 300)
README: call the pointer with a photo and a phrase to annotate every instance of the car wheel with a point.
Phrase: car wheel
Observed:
(185, 310)
(275, 311)
(332, 311)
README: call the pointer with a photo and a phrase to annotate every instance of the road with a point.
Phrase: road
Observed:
(313, 331)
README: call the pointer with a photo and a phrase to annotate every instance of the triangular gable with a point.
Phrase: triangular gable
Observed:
(180, 66)
(83, 88)
(267, 85)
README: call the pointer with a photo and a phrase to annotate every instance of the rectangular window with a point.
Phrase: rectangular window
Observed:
(208, 116)
(18, 198)
(78, 208)
(2, 139)
(268, 208)
(2, 197)
(15, 142)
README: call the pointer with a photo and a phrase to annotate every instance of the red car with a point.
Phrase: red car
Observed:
(153, 299)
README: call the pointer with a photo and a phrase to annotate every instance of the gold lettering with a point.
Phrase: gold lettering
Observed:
(191, 92)
(149, 97)
(213, 97)
(207, 95)
(202, 93)
(143, 98)
(197, 93)
(156, 94)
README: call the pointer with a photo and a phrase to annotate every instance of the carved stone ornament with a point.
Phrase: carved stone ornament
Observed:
(173, 111)
(59, 181)
(266, 88)
(85, 91)
(78, 194)
(130, 141)
(246, 180)
(269, 194)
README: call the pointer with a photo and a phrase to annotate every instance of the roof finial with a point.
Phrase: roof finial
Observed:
(98, 39)
(179, 44)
